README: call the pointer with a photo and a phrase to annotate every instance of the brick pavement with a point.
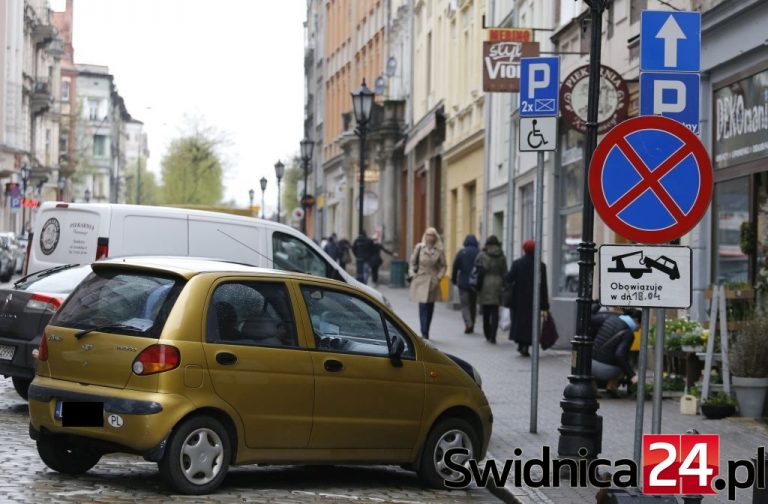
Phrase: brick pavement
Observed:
(506, 381)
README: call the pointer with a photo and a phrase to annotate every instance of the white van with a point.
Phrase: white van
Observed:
(79, 233)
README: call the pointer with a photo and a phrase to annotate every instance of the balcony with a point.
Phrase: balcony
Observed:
(43, 33)
(41, 98)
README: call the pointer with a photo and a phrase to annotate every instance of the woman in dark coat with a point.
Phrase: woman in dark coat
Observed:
(520, 276)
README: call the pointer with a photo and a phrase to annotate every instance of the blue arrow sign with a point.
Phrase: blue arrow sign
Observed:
(539, 81)
(673, 95)
(670, 41)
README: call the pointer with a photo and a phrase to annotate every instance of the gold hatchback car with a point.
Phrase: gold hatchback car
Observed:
(198, 365)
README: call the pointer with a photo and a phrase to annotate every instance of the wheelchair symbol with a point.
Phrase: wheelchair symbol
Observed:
(535, 134)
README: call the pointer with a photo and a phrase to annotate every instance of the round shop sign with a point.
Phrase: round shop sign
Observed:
(613, 104)
(49, 237)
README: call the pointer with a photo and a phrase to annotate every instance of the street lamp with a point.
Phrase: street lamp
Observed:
(279, 172)
(61, 184)
(306, 155)
(87, 195)
(263, 183)
(251, 194)
(24, 172)
(362, 102)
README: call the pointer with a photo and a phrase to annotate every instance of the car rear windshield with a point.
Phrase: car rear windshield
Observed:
(119, 301)
(62, 281)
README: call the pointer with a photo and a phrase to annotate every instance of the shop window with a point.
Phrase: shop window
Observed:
(732, 210)
(570, 200)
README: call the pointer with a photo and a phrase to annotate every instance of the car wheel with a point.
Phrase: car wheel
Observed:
(65, 455)
(22, 386)
(447, 434)
(197, 457)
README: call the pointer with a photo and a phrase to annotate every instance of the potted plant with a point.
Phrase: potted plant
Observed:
(749, 366)
(692, 342)
(718, 405)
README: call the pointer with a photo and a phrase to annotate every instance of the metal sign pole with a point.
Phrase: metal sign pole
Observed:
(537, 293)
(645, 324)
(658, 367)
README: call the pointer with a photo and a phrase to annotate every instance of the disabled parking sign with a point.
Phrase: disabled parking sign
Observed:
(651, 179)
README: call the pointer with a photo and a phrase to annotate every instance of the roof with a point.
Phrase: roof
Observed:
(188, 267)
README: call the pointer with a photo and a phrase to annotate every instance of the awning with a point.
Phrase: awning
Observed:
(423, 130)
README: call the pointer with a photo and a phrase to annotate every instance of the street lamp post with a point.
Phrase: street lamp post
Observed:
(87, 195)
(263, 183)
(24, 172)
(279, 172)
(251, 194)
(306, 156)
(581, 431)
(362, 102)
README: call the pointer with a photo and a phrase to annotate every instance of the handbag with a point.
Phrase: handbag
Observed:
(416, 267)
(508, 294)
(476, 276)
(548, 332)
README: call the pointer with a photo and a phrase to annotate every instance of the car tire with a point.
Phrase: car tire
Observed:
(66, 455)
(201, 437)
(22, 386)
(446, 434)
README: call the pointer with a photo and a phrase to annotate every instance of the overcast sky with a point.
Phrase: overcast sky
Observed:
(237, 64)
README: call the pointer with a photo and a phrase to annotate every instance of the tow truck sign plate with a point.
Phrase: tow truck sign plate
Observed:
(645, 276)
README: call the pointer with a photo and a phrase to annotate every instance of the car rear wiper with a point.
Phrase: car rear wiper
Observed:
(43, 274)
(82, 333)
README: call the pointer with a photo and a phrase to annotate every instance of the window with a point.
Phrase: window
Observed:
(571, 189)
(99, 145)
(344, 323)
(732, 207)
(251, 313)
(134, 303)
(292, 254)
(635, 8)
(65, 90)
(92, 108)
(526, 211)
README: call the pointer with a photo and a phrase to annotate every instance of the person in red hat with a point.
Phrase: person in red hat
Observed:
(520, 279)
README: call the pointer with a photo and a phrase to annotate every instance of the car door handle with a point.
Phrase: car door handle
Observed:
(226, 358)
(333, 366)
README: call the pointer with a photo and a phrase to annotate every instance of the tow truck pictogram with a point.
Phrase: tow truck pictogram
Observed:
(663, 264)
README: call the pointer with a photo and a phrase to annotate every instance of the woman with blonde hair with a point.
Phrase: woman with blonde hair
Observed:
(425, 269)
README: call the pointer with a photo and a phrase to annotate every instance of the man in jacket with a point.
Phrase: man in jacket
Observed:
(362, 248)
(462, 267)
(332, 248)
(610, 350)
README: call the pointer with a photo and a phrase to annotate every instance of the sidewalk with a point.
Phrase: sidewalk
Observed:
(506, 382)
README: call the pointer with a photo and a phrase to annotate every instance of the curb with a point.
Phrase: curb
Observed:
(501, 493)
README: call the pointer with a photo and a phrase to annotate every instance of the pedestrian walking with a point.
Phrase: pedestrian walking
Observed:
(345, 253)
(610, 354)
(376, 260)
(425, 269)
(494, 266)
(520, 280)
(362, 248)
(331, 248)
(462, 267)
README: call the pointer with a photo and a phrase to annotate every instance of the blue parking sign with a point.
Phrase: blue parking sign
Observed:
(670, 41)
(673, 95)
(539, 86)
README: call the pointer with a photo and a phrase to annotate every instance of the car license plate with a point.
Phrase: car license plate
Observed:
(80, 414)
(6, 352)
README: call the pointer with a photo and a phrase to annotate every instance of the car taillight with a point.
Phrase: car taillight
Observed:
(29, 251)
(41, 303)
(41, 353)
(156, 359)
(102, 248)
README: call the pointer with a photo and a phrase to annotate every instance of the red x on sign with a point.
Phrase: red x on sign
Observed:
(650, 179)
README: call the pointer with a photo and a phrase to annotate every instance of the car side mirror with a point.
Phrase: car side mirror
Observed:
(396, 352)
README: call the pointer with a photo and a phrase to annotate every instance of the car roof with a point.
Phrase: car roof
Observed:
(187, 267)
